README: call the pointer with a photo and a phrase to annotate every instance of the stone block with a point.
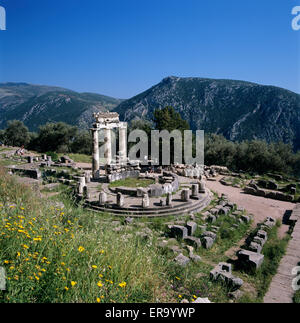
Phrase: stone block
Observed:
(224, 210)
(250, 190)
(191, 227)
(207, 242)
(214, 211)
(182, 260)
(262, 234)
(209, 234)
(250, 259)
(129, 220)
(255, 247)
(211, 218)
(259, 241)
(202, 300)
(178, 231)
(270, 222)
(195, 258)
(223, 272)
(245, 218)
(194, 242)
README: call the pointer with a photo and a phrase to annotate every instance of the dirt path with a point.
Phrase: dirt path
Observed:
(260, 207)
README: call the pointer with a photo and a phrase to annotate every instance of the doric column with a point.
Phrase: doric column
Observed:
(123, 142)
(108, 150)
(96, 162)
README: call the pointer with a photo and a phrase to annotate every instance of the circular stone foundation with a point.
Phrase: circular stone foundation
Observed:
(136, 202)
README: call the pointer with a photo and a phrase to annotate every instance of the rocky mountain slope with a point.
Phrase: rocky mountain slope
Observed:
(35, 105)
(238, 110)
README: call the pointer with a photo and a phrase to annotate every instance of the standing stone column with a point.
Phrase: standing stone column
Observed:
(102, 198)
(81, 185)
(169, 199)
(108, 150)
(195, 190)
(87, 177)
(96, 162)
(185, 194)
(202, 187)
(145, 201)
(123, 143)
(120, 200)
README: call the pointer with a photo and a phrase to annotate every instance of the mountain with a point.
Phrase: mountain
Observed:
(35, 105)
(239, 110)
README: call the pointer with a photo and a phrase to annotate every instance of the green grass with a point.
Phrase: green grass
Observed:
(9, 162)
(79, 158)
(273, 250)
(132, 182)
(46, 250)
(6, 149)
(297, 297)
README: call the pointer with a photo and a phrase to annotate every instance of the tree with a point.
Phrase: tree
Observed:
(2, 136)
(56, 137)
(169, 119)
(140, 125)
(82, 143)
(16, 134)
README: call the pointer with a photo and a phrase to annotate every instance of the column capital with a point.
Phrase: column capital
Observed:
(123, 125)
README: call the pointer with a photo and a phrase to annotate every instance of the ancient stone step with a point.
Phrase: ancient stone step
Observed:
(197, 206)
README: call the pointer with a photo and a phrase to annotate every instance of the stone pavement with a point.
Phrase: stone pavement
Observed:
(281, 290)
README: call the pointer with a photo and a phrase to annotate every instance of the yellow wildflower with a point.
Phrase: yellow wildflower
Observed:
(123, 285)
(80, 249)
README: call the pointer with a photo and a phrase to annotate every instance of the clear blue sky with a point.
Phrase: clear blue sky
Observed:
(122, 47)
